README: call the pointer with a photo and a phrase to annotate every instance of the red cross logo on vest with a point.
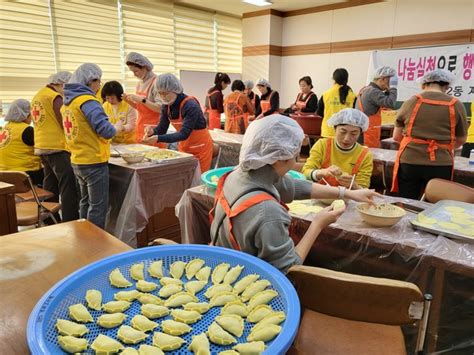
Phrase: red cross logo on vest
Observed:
(5, 135)
(67, 123)
(36, 113)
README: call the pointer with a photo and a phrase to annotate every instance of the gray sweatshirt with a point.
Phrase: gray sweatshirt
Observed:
(262, 230)
(373, 98)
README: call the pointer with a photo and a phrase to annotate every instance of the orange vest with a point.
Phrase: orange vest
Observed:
(373, 133)
(265, 105)
(432, 145)
(302, 104)
(235, 118)
(214, 115)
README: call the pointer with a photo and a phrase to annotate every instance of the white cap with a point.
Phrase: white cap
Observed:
(437, 75)
(351, 117)
(86, 73)
(269, 139)
(168, 82)
(59, 78)
(140, 59)
(18, 111)
(264, 82)
(384, 71)
(248, 84)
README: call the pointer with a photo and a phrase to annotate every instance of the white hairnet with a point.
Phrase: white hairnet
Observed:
(267, 140)
(248, 84)
(437, 75)
(168, 82)
(384, 71)
(140, 59)
(86, 73)
(61, 77)
(18, 111)
(351, 117)
(264, 82)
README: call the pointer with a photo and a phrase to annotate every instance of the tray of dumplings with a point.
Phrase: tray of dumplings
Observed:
(452, 219)
(117, 149)
(178, 299)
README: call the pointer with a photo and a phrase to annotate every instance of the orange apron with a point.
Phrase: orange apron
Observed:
(231, 213)
(247, 117)
(432, 145)
(146, 116)
(235, 117)
(302, 104)
(214, 115)
(327, 162)
(373, 133)
(265, 105)
(199, 142)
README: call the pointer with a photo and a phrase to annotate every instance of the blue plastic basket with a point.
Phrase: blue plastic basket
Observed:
(211, 177)
(42, 333)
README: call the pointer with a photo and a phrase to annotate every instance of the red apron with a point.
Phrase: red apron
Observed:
(233, 212)
(373, 133)
(235, 117)
(265, 105)
(214, 115)
(199, 142)
(300, 105)
(432, 145)
(146, 116)
(327, 162)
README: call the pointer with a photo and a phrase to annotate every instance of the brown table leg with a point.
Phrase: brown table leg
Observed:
(433, 323)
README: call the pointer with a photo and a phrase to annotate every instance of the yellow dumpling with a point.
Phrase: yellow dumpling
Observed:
(195, 286)
(273, 318)
(258, 313)
(167, 342)
(79, 313)
(128, 296)
(233, 274)
(222, 298)
(129, 335)
(156, 269)
(213, 290)
(266, 333)
(177, 269)
(111, 320)
(154, 311)
(200, 345)
(254, 347)
(235, 307)
(116, 306)
(136, 271)
(118, 280)
(66, 327)
(233, 323)
(184, 316)
(72, 344)
(203, 274)
(338, 204)
(454, 209)
(219, 336)
(242, 284)
(228, 352)
(254, 288)
(425, 219)
(179, 299)
(219, 273)
(105, 345)
(263, 297)
(193, 267)
(129, 351)
(94, 299)
(169, 290)
(145, 349)
(142, 323)
(146, 286)
(170, 280)
(202, 307)
(145, 298)
(173, 327)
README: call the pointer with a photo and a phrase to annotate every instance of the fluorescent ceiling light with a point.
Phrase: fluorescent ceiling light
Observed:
(258, 2)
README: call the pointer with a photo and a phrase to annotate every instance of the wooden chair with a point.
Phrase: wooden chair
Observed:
(440, 189)
(29, 212)
(357, 315)
(29, 196)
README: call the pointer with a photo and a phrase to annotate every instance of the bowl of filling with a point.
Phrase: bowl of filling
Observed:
(132, 158)
(382, 215)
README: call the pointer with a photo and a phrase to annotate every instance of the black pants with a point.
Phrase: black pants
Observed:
(466, 149)
(36, 177)
(412, 179)
(59, 178)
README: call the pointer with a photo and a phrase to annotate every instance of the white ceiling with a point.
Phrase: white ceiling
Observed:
(237, 7)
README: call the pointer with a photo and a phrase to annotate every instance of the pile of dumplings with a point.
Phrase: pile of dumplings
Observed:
(240, 302)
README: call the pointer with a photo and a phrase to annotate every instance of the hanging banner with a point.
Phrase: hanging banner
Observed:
(413, 63)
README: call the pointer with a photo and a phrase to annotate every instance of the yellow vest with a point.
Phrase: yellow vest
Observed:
(86, 146)
(332, 105)
(115, 116)
(15, 155)
(49, 133)
(470, 132)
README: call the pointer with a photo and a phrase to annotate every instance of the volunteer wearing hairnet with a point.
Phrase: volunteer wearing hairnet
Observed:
(429, 126)
(88, 133)
(185, 114)
(372, 99)
(252, 194)
(146, 99)
(50, 145)
(336, 160)
(17, 142)
(215, 100)
(269, 100)
(237, 107)
(254, 99)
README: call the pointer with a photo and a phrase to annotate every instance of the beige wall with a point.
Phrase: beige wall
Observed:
(387, 19)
